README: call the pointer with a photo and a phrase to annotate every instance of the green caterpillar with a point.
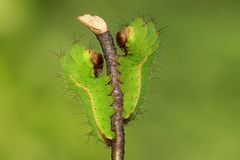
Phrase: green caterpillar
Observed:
(79, 72)
(140, 41)
(83, 72)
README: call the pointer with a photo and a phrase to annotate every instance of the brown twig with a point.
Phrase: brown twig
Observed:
(99, 27)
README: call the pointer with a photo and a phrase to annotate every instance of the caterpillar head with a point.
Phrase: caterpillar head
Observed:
(122, 38)
(97, 60)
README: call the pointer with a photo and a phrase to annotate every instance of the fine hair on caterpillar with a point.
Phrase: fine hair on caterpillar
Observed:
(60, 53)
(74, 38)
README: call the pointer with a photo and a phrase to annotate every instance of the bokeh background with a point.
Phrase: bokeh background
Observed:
(192, 110)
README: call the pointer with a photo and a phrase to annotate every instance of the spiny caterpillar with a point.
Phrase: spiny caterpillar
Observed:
(81, 69)
(84, 72)
(140, 41)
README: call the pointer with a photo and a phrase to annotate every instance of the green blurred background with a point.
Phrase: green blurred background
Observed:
(192, 109)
